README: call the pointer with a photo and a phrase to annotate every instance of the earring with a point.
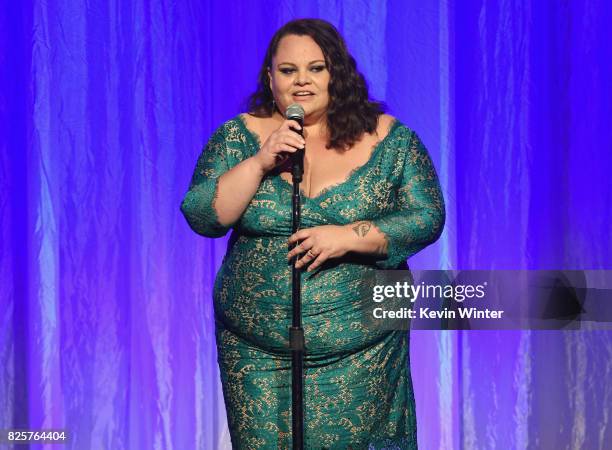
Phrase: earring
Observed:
(273, 106)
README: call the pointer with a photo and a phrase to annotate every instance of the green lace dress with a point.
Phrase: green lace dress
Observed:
(358, 390)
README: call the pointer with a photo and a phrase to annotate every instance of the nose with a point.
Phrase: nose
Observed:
(302, 77)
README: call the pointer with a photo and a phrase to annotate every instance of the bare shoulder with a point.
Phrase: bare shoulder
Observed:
(385, 121)
(262, 126)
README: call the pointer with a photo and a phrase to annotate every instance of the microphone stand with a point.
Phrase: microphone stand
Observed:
(296, 332)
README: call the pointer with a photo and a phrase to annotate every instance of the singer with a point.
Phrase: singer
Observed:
(371, 199)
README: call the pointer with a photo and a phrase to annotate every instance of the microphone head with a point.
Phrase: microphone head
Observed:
(295, 112)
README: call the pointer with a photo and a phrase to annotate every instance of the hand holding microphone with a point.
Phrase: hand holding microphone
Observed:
(283, 142)
(295, 113)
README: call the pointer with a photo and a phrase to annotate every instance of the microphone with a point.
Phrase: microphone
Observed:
(296, 112)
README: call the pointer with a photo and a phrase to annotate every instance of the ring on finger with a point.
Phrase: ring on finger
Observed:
(310, 253)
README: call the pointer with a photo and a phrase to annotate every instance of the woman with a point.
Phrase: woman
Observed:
(371, 200)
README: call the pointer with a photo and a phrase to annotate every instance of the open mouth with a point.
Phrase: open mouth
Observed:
(302, 94)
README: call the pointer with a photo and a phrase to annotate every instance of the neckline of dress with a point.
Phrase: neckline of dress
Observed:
(376, 147)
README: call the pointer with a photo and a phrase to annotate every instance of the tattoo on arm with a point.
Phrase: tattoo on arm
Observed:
(362, 228)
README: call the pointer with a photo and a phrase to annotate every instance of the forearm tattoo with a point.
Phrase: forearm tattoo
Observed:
(362, 228)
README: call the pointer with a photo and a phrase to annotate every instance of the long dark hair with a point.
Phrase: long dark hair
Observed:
(350, 112)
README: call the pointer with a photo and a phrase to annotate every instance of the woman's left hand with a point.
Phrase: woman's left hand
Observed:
(318, 244)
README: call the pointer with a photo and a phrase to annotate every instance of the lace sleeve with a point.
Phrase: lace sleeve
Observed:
(418, 217)
(198, 204)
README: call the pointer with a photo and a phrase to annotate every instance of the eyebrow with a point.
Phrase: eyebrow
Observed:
(311, 62)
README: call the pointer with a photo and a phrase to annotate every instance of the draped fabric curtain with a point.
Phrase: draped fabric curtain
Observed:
(106, 324)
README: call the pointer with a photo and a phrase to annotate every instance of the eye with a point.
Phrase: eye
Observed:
(317, 68)
(286, 70)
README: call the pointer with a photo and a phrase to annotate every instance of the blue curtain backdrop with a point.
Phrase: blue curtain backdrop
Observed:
(105, 294)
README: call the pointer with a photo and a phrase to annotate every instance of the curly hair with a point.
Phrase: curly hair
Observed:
(350, 112)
